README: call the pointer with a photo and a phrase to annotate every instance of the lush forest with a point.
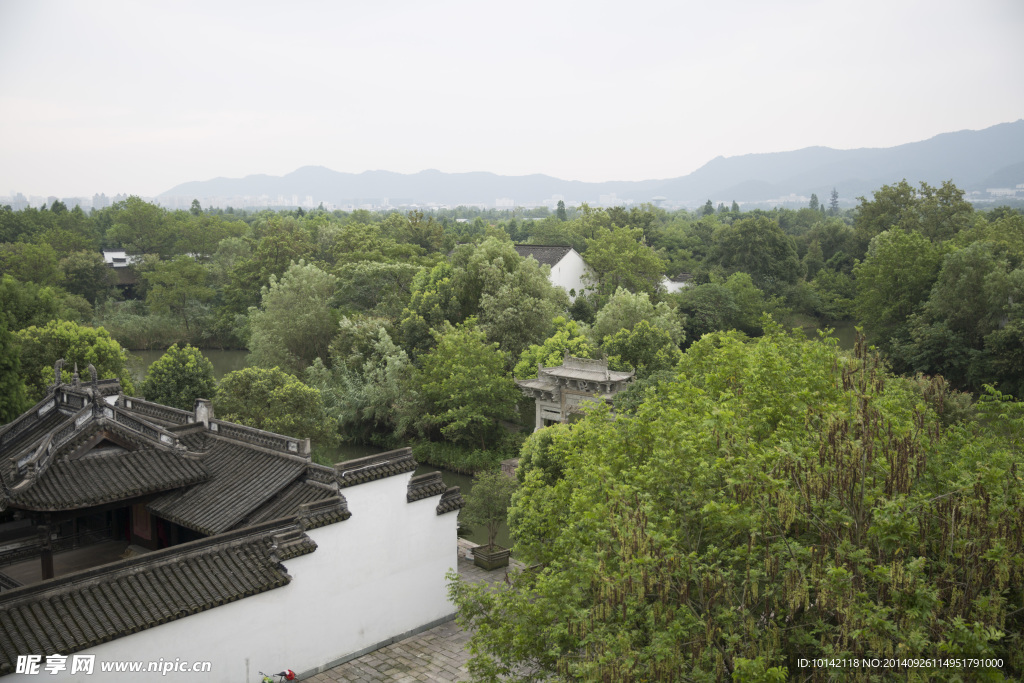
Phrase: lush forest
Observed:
(409, 326)
(838, 502)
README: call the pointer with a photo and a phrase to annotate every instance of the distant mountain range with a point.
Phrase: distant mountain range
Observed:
(974, 160)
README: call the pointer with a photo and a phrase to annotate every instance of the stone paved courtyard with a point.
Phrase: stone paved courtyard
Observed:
(435, 655)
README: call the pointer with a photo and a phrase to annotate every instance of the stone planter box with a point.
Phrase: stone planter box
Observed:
(490, 557)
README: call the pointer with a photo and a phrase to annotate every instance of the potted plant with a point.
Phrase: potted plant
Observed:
(487, 504)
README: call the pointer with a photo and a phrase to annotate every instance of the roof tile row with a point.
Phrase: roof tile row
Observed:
(82, 610)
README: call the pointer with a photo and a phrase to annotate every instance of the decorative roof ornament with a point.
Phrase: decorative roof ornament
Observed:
(94, 385)
(57, 368)
(75, 381)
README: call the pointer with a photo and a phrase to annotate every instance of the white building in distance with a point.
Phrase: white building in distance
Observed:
(568, 269)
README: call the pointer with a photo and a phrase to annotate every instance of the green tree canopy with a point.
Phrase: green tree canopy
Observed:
(936, 213)
(567, 339)
(758, 246)
(275, 401)
(276, 243)
(26, 303)
(893, 281)
(176, 287)
(619, 257)
(141, 227)
(87, 275)
(41, 347)
(969, 329)
(464, 387)
(644, 348)
(732, 304)
(777, 499)
(517, 302)
(625, 309)
(488, 502)
(369, 386)
(511, 297)
(12, 387)
(434, 301)
(296, 320)
(35, 263)
(179, 377)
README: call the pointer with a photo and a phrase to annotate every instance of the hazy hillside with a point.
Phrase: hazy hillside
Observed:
(974, 160)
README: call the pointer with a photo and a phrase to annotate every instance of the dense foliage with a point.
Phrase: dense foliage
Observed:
(356, 302)
(488, 501)
(275, 401)
(464, 387)
(179, 377)
(756, 498)
(79, 346)
(775, 499)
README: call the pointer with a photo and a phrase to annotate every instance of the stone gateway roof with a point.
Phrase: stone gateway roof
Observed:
(579, 374)
(73, 613)
(544, 255)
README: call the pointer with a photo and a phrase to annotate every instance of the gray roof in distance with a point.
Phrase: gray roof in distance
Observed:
(543, 254)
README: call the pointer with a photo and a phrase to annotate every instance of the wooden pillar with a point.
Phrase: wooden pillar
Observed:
(46, 552)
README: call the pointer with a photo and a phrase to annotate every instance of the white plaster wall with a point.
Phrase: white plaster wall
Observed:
(374, 576)
(672, 287)
(569, 273)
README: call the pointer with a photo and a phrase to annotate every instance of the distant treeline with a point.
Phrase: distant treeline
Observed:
(343, 300)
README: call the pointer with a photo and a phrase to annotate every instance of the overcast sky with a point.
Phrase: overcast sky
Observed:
(136, 97)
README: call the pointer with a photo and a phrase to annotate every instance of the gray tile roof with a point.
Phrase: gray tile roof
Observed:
(288, 502)
(22, 437)
(587, 369)
(360, 470)
(425, 486)
(79, 611)
(543, 254)
(103, 478)
(451, 501)
(242, 478)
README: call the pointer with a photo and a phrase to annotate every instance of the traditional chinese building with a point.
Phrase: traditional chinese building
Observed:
(568, 269)
(558, 391)
(135, 531)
